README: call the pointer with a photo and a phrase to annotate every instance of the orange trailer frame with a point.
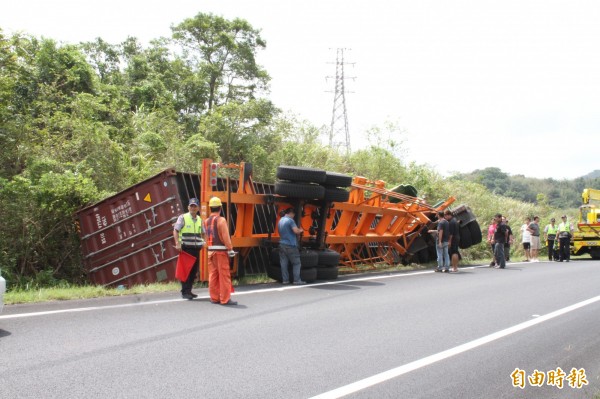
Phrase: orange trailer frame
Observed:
(366, 229)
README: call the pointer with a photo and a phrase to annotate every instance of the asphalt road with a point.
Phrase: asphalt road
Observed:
(400, 335)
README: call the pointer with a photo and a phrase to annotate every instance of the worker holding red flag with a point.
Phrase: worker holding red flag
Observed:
(188, 234)
(220, 249)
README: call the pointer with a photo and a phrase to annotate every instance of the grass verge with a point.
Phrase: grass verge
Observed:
(85, 292)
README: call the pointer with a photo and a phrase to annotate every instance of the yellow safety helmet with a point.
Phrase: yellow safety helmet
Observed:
(214, 202)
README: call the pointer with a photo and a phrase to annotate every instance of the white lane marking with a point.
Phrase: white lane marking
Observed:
(291, 287)
(90, 308)
(426, 361)
(256, 291)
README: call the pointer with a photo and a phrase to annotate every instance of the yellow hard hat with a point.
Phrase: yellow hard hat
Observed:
(214, 202)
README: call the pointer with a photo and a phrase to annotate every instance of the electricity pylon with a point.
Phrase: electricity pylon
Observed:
(339, 135)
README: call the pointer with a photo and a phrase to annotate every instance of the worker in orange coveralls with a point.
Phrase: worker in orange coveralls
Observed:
(220, 250)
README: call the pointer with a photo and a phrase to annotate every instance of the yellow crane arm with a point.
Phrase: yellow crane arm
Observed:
(590, 194)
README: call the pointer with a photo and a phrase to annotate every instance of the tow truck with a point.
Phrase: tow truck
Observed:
(586, 238)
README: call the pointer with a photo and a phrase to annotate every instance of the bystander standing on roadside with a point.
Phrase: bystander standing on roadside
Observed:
(565, 231)
(500, 238)
(288, 247)
(510, 239)
(526, 239)
(490, 240)
(534, 230)
(443, 258)
(453, 240)
(550, 232)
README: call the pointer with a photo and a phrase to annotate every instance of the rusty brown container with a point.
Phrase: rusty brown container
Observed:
(127, 239)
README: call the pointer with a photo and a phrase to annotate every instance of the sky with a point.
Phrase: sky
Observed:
(513, 84)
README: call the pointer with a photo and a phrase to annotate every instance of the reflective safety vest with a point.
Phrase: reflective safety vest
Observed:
(563, 229)
(190, 234)
(212, 235)
(552, 230)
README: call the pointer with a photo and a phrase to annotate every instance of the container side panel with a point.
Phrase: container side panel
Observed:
(129, 216)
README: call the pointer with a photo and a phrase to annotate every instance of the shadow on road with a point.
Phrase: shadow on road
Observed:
(345, 286)
(4, 333)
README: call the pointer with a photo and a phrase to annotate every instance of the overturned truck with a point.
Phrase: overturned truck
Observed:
(350, 222)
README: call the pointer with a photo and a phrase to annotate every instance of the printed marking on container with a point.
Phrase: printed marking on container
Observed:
(147, 198)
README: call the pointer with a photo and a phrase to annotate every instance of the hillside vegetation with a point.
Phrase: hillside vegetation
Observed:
(81, 122)
(555, 193)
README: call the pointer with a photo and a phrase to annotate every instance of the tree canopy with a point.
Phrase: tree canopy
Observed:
(556, 193)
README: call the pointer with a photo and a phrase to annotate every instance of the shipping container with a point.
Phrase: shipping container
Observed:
(127, 239)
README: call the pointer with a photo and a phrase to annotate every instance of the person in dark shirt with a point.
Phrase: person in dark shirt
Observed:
(510, 240)
(443, 237)
(500, 238)
(453, 240)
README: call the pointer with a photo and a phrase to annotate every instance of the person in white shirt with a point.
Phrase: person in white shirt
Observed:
(526, 239)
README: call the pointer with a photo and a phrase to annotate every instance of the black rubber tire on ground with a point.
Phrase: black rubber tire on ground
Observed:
(476, 234)
(423, 256)
(328, 257)
(301, 174)
(327, 273)
(308, 258)
(417, 245)
(333, 179)
(299, 190)
(308, 275)
(465, 237)
(274, 272)
(274, 257)
(334, 194)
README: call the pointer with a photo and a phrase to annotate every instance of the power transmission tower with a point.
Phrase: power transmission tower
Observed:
(339, 135)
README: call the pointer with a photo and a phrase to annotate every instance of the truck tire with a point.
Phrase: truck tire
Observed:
(301, 174)
(299, 190)
(463, 214)
(334, 194)
(475, 230)
(328, 257)
(423, 256)
(465, 237)
(327, 273)
(333, 179)
(308, 275)
(308, 258)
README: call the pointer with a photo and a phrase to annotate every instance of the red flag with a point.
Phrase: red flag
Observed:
(185, 262)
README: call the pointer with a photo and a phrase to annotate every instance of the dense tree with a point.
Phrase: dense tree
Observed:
(224, 54)
(556, 193)
(240, 128)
